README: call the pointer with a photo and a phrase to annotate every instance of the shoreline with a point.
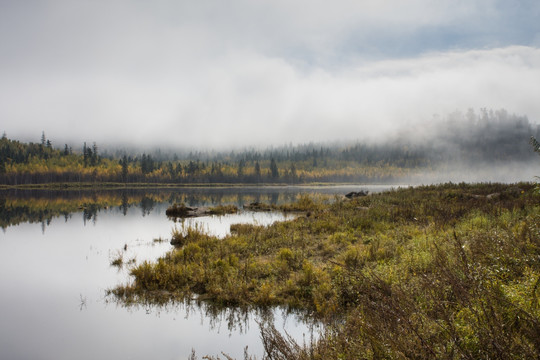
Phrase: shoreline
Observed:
(118, 186)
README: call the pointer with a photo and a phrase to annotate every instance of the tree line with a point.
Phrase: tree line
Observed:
(489, 136)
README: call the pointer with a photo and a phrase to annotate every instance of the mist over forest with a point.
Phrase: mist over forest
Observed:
(464, 137)
(488, 145)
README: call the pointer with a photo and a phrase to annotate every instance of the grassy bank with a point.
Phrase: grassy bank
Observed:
(448, 271)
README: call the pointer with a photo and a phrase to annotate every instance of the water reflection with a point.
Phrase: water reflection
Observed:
(55, 270)
(54, 283)
(41, 206)
(230, 322)
(239, 320)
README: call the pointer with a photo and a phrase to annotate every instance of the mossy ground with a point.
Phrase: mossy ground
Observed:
(429, 272)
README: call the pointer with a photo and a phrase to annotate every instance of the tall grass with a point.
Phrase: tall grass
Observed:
(444, 272)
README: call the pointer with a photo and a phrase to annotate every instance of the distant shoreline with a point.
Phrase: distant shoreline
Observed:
(112, 186)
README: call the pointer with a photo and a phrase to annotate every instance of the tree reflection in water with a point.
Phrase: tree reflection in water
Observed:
(297, 326)
(41, 206)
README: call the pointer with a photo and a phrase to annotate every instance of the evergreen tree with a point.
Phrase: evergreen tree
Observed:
(147, 164)
(144, 164)
(94, 155)
(191, 168)
(124, 164)
(293, 173)
(85, 155)
(178, 169)
(274, 169)
(170, 169)
(257, 171)
(240, 170)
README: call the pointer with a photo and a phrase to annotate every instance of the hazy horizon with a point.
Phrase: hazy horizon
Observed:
(238, 74)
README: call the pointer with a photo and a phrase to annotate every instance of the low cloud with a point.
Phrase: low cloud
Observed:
(211, 75)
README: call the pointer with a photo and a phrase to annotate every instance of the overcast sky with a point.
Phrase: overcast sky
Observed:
(220, 73)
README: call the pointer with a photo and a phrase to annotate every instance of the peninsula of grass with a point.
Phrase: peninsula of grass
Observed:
(433, 272)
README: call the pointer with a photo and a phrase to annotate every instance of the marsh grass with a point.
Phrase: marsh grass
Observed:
(222, 210)
(188, 234)
(247, 356)
(444, 272)
(118, 259)
(305, 203)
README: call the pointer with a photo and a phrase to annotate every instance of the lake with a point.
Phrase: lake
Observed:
(56, 249)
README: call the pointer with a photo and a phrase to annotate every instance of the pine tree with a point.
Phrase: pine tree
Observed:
(144, 166)
(147, 164)
(293, 172)
(170, 169)
(94, 155)
(257, 171)
(274, 169)
(124, 164)
(85, 155)
(240, 170)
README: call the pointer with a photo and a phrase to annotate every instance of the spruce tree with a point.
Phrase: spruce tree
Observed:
(274, 169)
(257, 171)
(85, 155)
(124, 164)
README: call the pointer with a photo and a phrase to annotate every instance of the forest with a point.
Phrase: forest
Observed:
(489, 137)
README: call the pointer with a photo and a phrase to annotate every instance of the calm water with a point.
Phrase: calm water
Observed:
(55, 255)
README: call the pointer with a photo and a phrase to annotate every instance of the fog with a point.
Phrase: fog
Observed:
(218, 75)
(482, 173)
